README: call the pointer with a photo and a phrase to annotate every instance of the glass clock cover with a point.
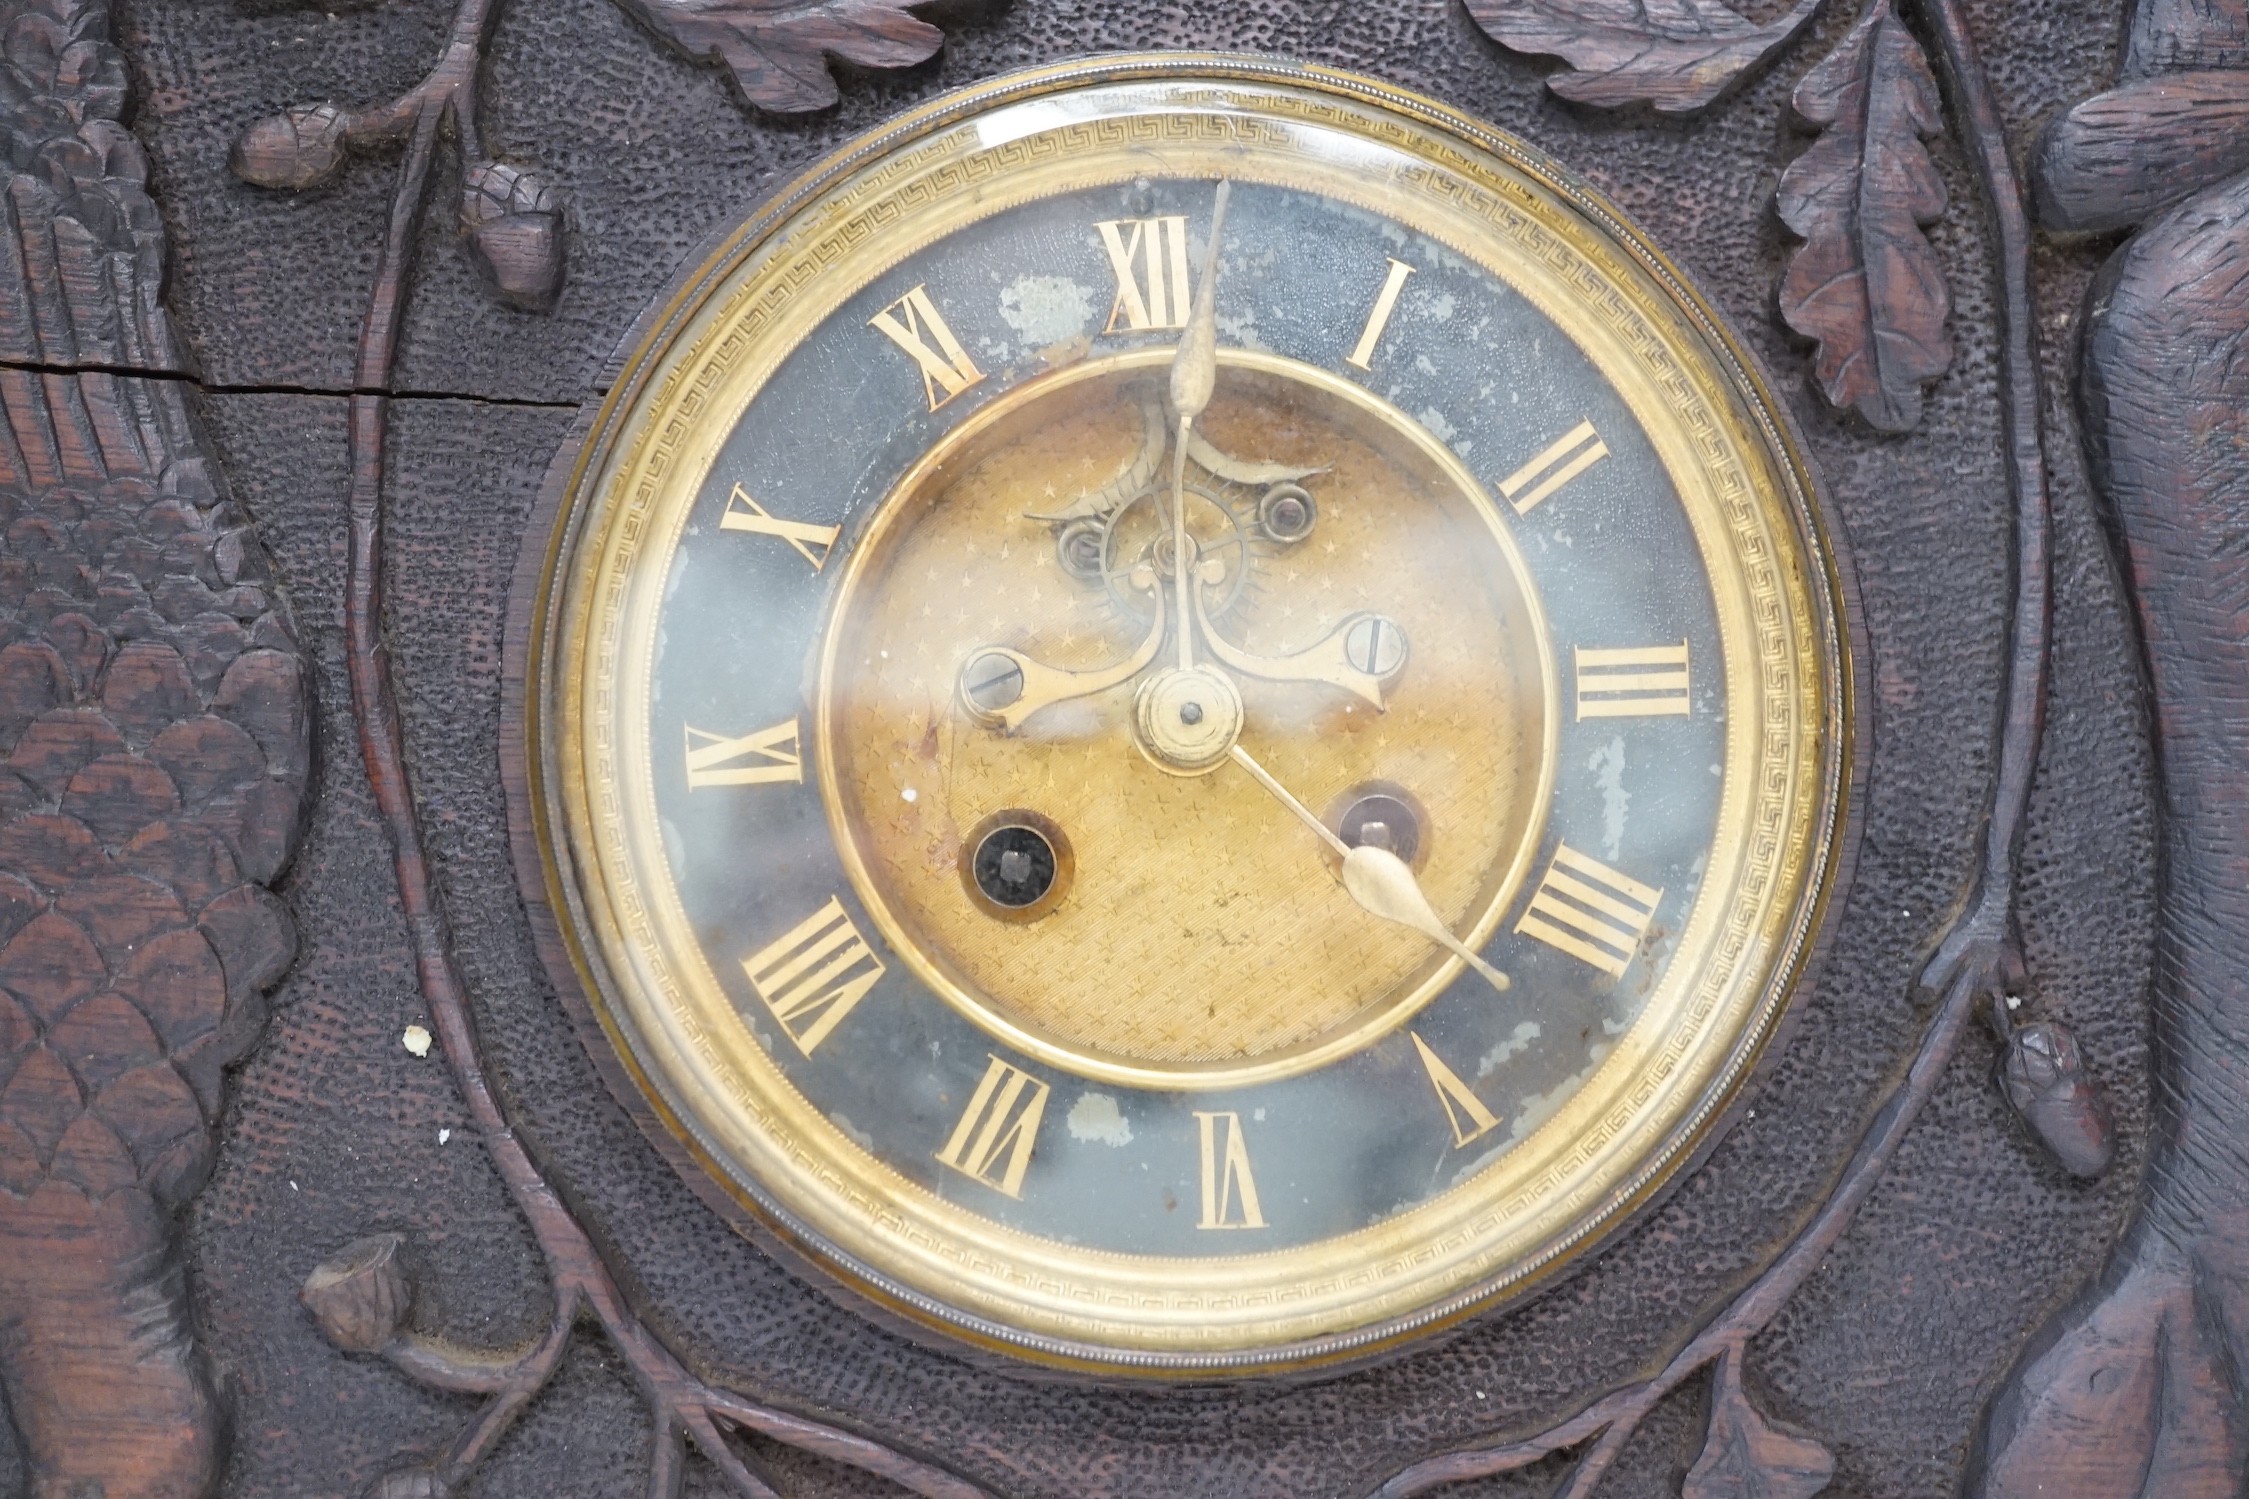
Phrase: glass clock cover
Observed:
(1194, 714)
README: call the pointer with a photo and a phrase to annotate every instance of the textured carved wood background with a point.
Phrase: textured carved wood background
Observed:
(335, 1130)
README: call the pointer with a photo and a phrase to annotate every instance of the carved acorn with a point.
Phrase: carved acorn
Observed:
(513, 221)
(293, 149)
(2042, 1072)
(360, 1297)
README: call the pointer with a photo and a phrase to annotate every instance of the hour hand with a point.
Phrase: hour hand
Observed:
(1001, 686)
(1363, 655)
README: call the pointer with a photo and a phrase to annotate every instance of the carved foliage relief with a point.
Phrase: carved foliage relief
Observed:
(154, 746)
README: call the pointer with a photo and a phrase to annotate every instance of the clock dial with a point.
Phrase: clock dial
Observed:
(1197, 718)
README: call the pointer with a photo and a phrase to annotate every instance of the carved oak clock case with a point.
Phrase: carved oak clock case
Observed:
(1470, 746)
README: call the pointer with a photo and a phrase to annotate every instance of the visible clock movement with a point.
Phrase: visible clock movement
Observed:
(1191, 716)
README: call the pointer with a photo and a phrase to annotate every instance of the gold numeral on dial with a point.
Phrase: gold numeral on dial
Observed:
(992, 1143)
(911, 322)
(1385, 303)
(1590, 911)
(1464, 1111)
(1639, 682)
(1150, 259)
(746, 514)
(813, 976)
(1229, 1190)
(761, 758)
(1575, 452)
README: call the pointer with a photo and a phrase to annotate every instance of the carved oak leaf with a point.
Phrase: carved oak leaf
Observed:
(1866, 281)
(1676, 55)
(779, 49)
(1744, 1456)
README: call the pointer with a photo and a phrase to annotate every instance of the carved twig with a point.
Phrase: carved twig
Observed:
(1609, 1422)
(362, 1298)
(2044, 1074)
(1978, 961)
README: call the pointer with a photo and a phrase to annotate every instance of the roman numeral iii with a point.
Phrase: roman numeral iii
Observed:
(1229, 1190)
(813, 976)
(812, 542)
(992, 1143)
(1575, 452)
(1150, 259)
(1590, 911)
(912, 322)
(1638, 682)
(1464, 1111)
(755, 759)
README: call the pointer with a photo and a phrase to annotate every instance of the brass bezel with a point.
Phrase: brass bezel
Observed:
(1297, 1309)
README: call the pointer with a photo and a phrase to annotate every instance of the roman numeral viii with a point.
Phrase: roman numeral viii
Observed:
(1590, 911)
(755, 759)
(813, 976)
(1150, 259)
(1638, 682)
(1229, 1190)
(913, 323)
(992, 1143)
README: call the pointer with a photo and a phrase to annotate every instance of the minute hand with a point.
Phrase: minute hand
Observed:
(1327, 660)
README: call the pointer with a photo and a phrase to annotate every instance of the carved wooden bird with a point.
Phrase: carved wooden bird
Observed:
(154, 753)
